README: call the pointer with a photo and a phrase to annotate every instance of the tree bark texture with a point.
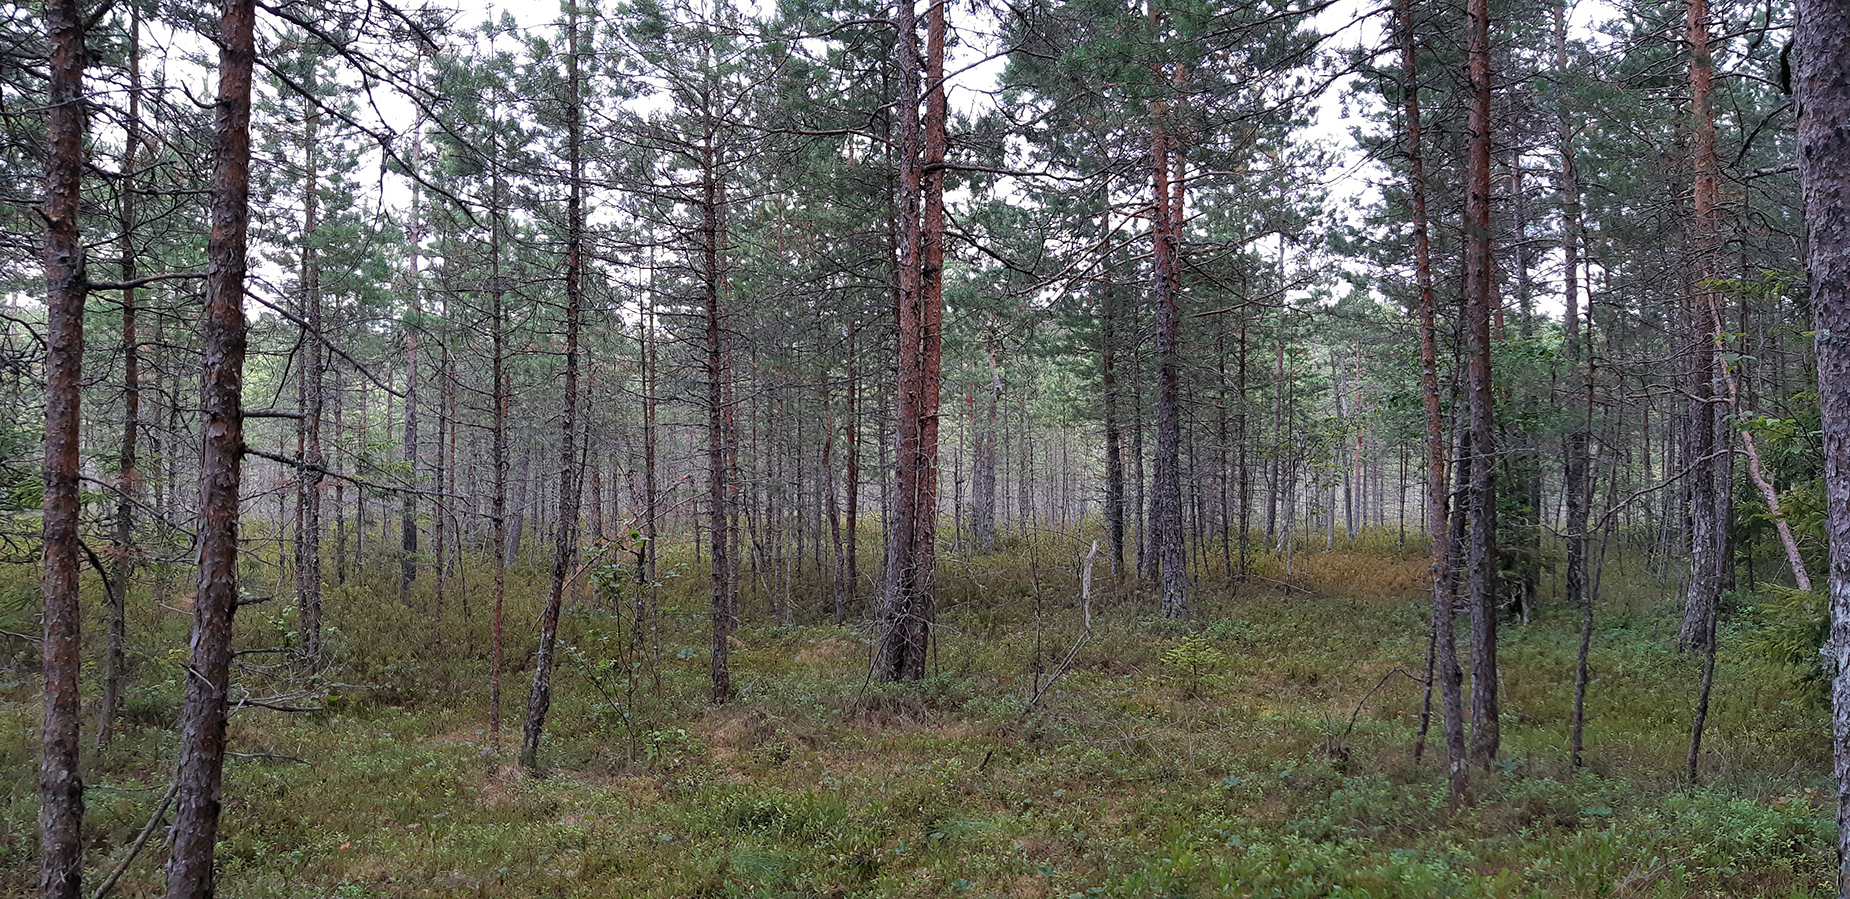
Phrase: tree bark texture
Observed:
(190, 873)
(1821, 86)
(565, 544)
(127, 464)
(1480, 289)
(1577, 485)
(1444, 638)
(1114, 427)
(1707, 519)
(498, 442)
(408, 510)
(983, 486)
(906, 604)
(721, 455)
(61, 791)
(1166, 480)
(308, 564)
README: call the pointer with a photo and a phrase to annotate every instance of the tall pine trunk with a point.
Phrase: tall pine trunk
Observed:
(1707, 456)
(198, 793)
(408, 510)
(61, 789)
(1443, 637)
(721, 442)
(1576, 482)
(565, 542)
(127, 464)
(1166, 484)
(1706, 525)
(1114, 425)
(498, 372)
(853, 487)
(1480, 289)
(906, 603)
(1821, 84)
(309, 389)
(983, 487)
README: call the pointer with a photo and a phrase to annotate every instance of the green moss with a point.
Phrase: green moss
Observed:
(1209, 759)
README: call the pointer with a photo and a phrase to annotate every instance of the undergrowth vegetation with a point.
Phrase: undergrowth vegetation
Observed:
(1233, 755)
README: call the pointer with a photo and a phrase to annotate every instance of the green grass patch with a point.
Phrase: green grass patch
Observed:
(1208, 758)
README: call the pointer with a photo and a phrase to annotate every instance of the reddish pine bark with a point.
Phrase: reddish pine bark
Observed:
(907, 607)
(1444, 639)
(1480, 289)
(1706, 517)
(198, 799)
(1166, 478)
(1708, 496)
(931, 317)
(61, 805)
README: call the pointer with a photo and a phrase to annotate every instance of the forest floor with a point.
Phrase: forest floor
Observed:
(1222, 757)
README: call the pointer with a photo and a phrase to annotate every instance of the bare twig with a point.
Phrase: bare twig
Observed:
(275, 705)
(1371, 693)
(1284, 584)
(141, 839)
(266, 756)
(1085, 604)
(140, 282)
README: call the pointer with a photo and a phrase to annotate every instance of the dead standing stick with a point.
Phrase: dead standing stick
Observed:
(1085, 605)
